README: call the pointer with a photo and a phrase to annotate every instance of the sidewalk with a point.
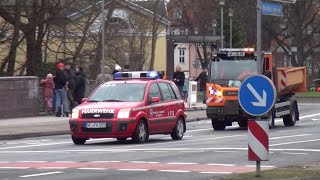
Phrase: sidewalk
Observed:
(17, 128)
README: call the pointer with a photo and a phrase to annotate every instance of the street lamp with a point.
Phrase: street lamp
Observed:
(221, 38)
(230, 15)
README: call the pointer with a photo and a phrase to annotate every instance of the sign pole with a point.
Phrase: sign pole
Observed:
(258, 163)
(258, 168)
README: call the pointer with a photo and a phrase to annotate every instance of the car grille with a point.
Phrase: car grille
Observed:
(107, 129)
(98, 115)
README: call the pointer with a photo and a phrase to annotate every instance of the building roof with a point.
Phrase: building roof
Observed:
(138, 6)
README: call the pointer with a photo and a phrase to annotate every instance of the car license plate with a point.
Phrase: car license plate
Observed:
(96, 125)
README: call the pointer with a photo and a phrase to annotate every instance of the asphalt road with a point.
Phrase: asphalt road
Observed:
(202, 154)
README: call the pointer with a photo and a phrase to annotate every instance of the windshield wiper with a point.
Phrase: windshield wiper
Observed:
(112, 100)
(93, 101)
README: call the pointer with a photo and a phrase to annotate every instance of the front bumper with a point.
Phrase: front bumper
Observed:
(115, 128)
(230, 111)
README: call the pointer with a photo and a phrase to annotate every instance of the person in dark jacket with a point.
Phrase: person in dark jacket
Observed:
(80, 85)
(178, 78)
(70, 77)
(202, 78)
(60, 83)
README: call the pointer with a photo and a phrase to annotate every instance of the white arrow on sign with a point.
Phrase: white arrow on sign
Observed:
(262, 101)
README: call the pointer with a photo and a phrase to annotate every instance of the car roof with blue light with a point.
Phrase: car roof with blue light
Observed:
(138, 75)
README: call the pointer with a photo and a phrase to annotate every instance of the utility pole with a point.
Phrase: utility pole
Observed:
(221, 38)
(230, 15)
(102, 39)
(259, 60)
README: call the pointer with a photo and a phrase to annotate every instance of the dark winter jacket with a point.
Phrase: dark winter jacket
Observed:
(203, 80)
(70, 77)
(80, 85)
(59, 79)
(178, 78)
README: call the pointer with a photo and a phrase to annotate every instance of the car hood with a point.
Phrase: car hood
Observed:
(108, 105)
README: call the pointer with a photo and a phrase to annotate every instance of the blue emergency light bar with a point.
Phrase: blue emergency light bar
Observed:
(136, 75)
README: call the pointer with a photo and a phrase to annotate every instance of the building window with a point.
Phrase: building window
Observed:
(182, 52)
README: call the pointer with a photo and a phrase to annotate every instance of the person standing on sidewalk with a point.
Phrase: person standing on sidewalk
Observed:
(71, 82)
(102, 78)
(203, 81)
(61, 91)
(80, 85)
(48, 86)
(178, 78)
(185, 89)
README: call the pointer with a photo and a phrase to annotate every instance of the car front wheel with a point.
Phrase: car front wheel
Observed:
(78, 141)
(178, 130)
(141, 133)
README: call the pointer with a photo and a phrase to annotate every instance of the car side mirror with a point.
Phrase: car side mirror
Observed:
(155, 99)
(83, 100)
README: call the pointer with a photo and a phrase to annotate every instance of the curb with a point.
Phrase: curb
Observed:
(55, 133)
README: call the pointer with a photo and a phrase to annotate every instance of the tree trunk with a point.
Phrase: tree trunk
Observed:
(11, 58)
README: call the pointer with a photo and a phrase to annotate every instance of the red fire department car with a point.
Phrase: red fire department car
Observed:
(134, 104)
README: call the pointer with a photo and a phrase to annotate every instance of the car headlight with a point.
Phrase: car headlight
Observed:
(75, 113)
(124, 113)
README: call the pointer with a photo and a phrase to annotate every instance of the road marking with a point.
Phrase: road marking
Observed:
(181, 163)
(311, 115)
(4, 161)
(315, 119)
(32, 161)
(14, 167)
(196, 130)
(286, 130)
(64, 161)
(225, 151)
(53, 168)
(137, 161)
(294, 142)
(100, 169)
(114, 161)
(192, 151)
(176, 171)
(100, 161)
(59, 143)
(153, 162)
(211, 164)
(294, 153)
(35, 145)
(282, 137)
(133, 169)
(156, 151)
(42, 174)
(215, 172)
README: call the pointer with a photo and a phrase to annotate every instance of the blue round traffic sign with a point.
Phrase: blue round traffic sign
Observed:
(257, 95)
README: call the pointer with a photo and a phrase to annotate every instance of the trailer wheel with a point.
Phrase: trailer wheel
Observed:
(290, 119)
(218, 125)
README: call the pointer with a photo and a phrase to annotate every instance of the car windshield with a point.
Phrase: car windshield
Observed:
(118, 92)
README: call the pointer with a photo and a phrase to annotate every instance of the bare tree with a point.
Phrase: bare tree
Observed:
(300, 28)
